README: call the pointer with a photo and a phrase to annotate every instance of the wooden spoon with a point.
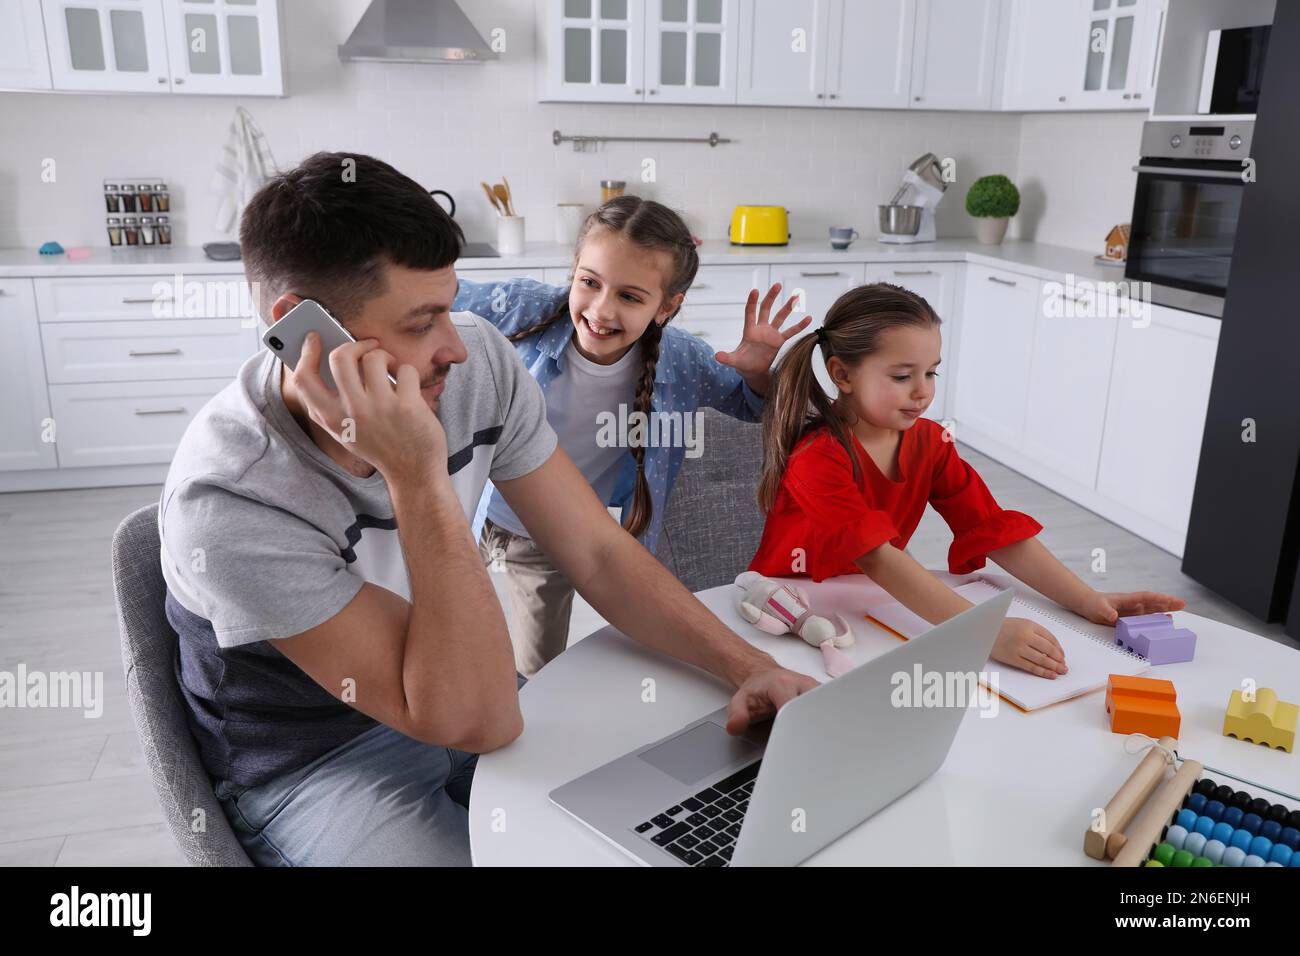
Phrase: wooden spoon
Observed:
(510, 194)
(504, 196)
(491, 198)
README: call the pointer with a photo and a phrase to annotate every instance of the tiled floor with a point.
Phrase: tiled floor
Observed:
(75, 791)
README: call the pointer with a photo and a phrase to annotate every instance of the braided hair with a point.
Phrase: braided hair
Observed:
(652, 226)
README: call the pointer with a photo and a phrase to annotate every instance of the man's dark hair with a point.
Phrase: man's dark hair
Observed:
(326, 229)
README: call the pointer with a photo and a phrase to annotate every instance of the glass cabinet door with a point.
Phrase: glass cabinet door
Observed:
(1111, 65)
(224, 46)
(690, 52)
(107, 45)
(597, 48)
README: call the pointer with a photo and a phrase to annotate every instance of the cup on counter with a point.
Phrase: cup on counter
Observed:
(842, 236)
(510, 235)
(568, 221)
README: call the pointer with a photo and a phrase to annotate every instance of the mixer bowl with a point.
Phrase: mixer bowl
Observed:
(899, 220)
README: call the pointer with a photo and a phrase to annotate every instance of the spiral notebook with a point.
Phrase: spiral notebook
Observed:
(1090, 649)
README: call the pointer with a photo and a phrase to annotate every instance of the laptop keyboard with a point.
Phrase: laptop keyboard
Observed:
(702, 829)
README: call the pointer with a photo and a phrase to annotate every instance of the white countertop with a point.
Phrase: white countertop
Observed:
(1030, 258)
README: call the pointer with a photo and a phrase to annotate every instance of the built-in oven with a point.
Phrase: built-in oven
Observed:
(1191, 180)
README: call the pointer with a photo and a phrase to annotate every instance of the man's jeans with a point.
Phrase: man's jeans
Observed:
(381, 799)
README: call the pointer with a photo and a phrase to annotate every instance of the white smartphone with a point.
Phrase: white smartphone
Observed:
(285, 337)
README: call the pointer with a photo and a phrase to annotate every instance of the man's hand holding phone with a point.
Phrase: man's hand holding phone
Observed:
(390, 427)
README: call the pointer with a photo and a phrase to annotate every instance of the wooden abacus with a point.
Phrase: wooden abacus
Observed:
(1128, 845)
(1192, 820)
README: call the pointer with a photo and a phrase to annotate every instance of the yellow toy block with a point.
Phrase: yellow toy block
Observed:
(1266, 720)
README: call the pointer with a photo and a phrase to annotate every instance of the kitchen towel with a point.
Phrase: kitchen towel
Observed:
(1090, 649)
(245, 164)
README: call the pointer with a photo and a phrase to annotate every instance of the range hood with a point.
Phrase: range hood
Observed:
(416, 31)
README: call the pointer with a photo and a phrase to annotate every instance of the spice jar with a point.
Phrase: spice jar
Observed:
(164, 231)
(145, 193)
(162, 200)
(131, 230)
(609, 188)
(130, 201)
(112, 201)
(146, 231)
(114, 231)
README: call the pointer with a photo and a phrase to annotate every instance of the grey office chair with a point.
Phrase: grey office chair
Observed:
(149, 648)
(712, 525)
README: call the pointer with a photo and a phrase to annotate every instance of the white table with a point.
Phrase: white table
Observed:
(1016, 789)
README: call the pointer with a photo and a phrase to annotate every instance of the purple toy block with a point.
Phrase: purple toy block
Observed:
(1126, 628)
(1154, 637)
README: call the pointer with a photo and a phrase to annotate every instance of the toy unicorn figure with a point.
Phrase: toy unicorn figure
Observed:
(781, 609)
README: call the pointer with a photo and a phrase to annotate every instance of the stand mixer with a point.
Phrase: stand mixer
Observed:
(909, 216)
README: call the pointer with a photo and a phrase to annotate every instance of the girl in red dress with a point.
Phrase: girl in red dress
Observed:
(845, 481)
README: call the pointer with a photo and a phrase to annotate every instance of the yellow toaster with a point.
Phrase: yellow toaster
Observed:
(759, 226)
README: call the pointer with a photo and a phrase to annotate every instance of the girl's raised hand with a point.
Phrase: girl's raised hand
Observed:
(762, 338)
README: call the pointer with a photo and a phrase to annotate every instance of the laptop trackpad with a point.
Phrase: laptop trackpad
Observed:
(700, 751)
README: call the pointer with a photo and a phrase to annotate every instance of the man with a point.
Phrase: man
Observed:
(343, 653)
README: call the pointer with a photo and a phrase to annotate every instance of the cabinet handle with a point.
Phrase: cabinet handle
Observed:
(1137, 96)
(702, 335)
(1080, 299)
(178, 80)
(814, 275)
(1001, 281)
(821, 96)
(162, 79)
(636, 92)
(653, 92)
(1128, 96)
(134, 354)
(918, 98)
(160, 411)
(1060, 99)
(131, 300)
(701, 285)
(835, 96)
(3, 292)
(914, 272)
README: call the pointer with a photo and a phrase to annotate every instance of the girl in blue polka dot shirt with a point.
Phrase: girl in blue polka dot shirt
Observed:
(622, 387)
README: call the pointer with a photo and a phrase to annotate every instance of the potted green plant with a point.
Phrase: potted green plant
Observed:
(992, 200)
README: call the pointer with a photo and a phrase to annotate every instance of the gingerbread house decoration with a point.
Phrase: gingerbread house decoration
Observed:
(1117, 242)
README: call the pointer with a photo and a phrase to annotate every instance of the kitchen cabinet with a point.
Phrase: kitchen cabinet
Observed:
(955, 54)
(633, 51)
(229, 48)
(826, 53)
(222, 47)
(24, 64)
(1155, 418)
(1082, 54)
(997, 340)
(592, 50)
(714, 307)
(783, 49)
(126, 423)
(936, 283)
(1069, 374)
(24, 405)
(690, 51)
(107, 45)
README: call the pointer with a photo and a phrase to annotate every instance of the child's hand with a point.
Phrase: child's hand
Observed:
(1107, 608)
(1030, 647)
(761, 339)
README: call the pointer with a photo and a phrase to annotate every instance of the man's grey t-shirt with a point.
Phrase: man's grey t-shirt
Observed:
(264, 536)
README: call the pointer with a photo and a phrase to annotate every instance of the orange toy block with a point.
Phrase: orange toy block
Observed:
(1142, 705)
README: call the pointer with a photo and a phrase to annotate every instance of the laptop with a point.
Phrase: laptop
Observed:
(784, 789)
